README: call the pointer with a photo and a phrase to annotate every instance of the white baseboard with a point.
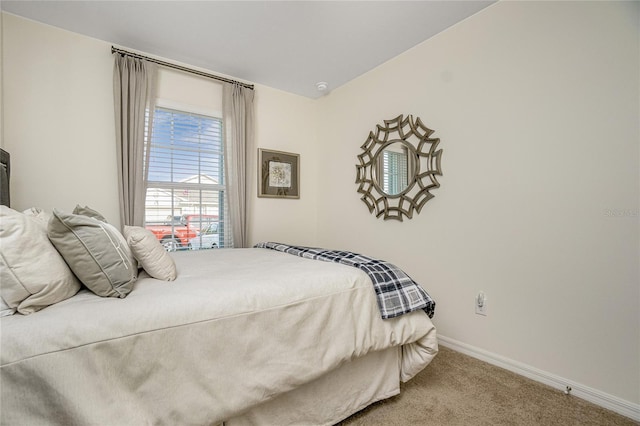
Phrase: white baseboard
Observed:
(602, 399)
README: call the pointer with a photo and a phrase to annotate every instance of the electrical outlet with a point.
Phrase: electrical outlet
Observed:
(481, 304)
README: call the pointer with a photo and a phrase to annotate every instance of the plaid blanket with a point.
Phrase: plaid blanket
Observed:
(397, 293)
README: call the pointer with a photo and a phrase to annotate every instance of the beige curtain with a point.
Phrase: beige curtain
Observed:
(134, 100)
(237, 111)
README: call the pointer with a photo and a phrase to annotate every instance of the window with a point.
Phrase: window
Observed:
(394, 177)
(185, 199)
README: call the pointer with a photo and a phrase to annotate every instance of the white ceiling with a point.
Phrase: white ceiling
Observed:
(288, 45)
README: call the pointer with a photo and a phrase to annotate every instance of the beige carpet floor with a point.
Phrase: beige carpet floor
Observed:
(456, 389)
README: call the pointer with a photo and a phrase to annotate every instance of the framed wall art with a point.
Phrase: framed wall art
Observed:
(278, 174)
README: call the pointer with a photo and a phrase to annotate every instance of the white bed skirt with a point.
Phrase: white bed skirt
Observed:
(332, 397)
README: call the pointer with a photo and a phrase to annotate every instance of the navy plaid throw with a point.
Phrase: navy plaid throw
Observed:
(397, 293)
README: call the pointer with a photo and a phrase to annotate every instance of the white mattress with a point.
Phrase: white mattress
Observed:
(237, 328)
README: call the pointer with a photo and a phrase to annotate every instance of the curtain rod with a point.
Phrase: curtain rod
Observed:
(179, 67)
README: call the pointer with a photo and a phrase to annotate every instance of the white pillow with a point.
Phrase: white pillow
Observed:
(152, 256)
(5, 310)
(39, 214)
(96, 252)
(32, 273)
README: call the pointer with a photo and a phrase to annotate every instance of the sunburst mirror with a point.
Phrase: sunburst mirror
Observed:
(398, 168)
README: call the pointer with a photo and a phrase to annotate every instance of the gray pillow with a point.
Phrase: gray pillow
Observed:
(95, 251)
(87, 211)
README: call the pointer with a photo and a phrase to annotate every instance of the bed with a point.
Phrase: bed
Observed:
(240, 336)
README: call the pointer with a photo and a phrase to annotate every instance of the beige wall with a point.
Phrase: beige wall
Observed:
(59, 129)
(285, 122)
(536, 104)
(58, 118)
(1, 84)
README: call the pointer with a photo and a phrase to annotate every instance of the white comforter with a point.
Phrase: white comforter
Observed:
(236, 328)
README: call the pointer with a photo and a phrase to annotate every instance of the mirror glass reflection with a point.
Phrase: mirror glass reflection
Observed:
(395, 168)
(398, 168)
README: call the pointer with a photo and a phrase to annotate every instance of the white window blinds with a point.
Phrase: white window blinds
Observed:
(185, 187)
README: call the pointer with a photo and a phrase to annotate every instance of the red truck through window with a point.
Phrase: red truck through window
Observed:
(175, 233)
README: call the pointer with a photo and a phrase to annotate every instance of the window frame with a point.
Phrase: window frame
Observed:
(172, 186)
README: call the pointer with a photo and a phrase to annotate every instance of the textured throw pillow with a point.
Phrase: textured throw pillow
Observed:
(32, 273)
(96, 252)
(152, 256)
(87, 211)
